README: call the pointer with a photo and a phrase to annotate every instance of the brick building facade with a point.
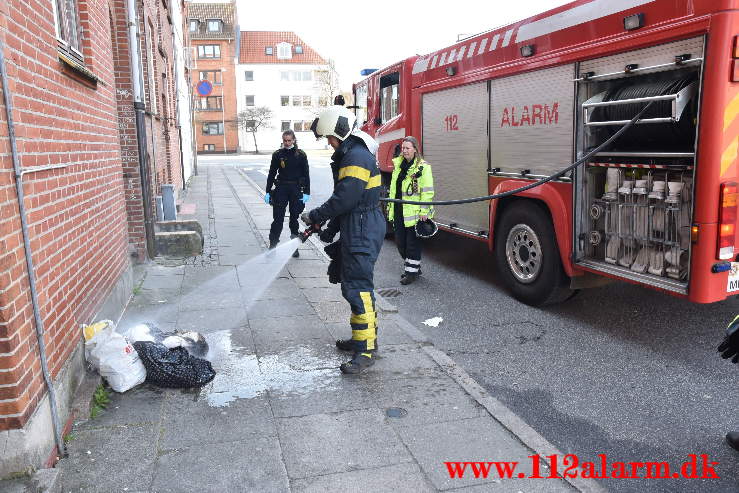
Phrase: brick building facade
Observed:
(156, 46)
(214, 46)
(70, 128)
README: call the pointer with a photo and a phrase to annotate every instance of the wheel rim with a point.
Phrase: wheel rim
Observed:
(523, 251)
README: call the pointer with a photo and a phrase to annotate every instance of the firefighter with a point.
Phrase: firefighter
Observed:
(729, 348)
(355, 202)
(339, 100)
(411, 180)
(288, 172)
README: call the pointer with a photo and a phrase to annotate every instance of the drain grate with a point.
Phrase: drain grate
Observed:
(389, 292)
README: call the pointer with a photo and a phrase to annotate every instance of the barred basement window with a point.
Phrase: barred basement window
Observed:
(68, 28)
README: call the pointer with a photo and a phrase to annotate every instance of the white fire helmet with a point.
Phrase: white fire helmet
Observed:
(334, 120)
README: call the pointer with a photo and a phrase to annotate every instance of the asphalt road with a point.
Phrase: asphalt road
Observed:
(619, 370)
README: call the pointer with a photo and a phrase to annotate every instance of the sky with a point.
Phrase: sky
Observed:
(376, 33)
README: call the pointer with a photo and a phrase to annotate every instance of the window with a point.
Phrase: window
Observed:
(360, 101)
(249, 75)
(298, 49)
(268, 50)
(152, 95)
(194, 25)
(68, 27)
(210, 103)
(284, 51)
(213, 128)
(285, 126)
(250, 100)
(389, 97)
(284, 75)
(297, 101)
(301, 126)
(250, 125)
(284, 100)
(209, 147)
(214, 76)
(296, 75)
(214, 25)
(306, 101)
(307, 75)
(209, 51)
(323, 101)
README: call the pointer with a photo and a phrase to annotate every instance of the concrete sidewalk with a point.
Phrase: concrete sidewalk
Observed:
(279, 415)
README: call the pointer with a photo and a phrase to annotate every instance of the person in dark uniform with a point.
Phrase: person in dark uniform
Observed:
(339, 100)
(288, 172)
(355, 202)
(729, 348)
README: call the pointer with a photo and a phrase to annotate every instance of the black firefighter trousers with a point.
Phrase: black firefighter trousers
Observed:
(285, 194)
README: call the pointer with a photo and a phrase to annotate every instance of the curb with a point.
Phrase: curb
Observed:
(507, 418)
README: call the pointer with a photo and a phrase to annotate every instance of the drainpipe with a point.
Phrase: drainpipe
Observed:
(138, 106)
(55, 421)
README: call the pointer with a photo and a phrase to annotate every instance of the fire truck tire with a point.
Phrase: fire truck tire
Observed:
(527, 255)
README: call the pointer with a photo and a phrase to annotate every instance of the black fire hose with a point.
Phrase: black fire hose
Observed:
(574, 165)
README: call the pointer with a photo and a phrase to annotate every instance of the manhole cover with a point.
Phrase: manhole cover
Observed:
(396, 412)
(389, 292)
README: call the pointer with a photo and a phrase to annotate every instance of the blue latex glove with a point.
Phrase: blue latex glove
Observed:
(266, 198)
(305, 198)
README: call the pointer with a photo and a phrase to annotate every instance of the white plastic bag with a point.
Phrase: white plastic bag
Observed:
(116, 360)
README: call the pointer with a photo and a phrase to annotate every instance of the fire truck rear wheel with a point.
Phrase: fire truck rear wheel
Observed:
(527, 255)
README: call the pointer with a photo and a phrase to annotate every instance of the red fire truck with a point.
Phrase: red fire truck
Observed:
(513, 105)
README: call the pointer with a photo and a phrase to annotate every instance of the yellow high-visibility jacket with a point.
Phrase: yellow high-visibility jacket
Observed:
(420, 171)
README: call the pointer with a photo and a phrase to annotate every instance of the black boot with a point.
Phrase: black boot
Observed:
(273, 244)
(358, 363)
(732, 438)
(408, 278)
(296, 253)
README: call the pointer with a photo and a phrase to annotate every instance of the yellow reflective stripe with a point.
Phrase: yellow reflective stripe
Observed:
(427, 189)
(729, 155)
(363, 334)
(362, 318)
(374, 181)
(369, 307)
(354, 172)
(731, 112)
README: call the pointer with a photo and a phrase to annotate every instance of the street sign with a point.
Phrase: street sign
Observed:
(204, 87)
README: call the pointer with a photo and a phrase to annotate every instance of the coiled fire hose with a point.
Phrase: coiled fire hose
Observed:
(537, 183)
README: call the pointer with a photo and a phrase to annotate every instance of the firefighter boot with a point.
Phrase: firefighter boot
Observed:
(273, 244)
(358, 363)
(408, 278)
(732, 438)
(296, 253)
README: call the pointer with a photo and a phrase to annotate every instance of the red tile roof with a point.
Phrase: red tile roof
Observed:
(254, 42)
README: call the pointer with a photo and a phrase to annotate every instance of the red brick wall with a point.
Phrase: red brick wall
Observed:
(159, 90)
(76, 214)
(227, 90)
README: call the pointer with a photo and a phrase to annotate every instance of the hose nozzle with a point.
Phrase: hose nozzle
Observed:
(312, 228)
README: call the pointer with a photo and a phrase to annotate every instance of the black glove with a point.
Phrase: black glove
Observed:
(305, 217)
(327, 235)
(730, 345)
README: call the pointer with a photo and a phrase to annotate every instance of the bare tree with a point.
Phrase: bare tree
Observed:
(327, 85)
(253, 119)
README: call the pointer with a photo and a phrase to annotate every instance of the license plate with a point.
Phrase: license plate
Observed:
(733, 284)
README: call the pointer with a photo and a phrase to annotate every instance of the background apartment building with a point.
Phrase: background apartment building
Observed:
(214, 47)
(279, 71)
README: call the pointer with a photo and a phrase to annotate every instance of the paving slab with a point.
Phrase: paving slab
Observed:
(341, 442)
(249, 465)
(212, 320)
(389, 479)
(119, 457)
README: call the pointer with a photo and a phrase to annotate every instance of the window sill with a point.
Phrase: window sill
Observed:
(76, 70)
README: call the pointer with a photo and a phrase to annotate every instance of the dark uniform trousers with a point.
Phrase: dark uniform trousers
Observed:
(286, 194)
(409, 245)
(355, 203)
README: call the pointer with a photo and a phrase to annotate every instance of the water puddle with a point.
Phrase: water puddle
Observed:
(299, 370)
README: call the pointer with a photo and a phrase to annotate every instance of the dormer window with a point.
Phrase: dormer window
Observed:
(215, 25)
(284, 51)
(298, 49)
(268, 50)
(194, 25)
